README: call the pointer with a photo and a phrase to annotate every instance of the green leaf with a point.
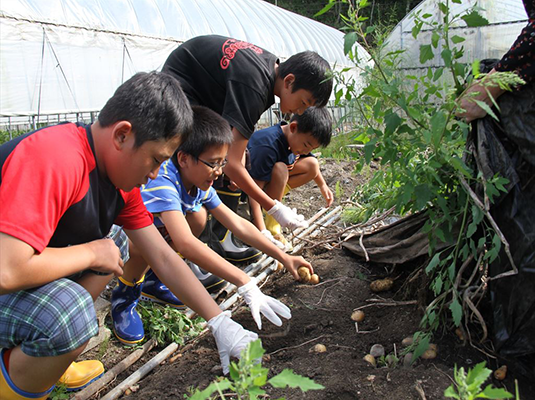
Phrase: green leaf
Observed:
(457, 39)
(473, 19)
(443, 7)
(438, 124)
(450, 392)
(456, 1)
(477, 376)
(392, 121)
(369, 149)
(456, 311)
(325, 9)
(426, 53)
(477, 214)
(212, 388)
(472, 228)
(494, 393)
(438, 73)
(446, 56)
(435, 37)
(349, 41)
(288, 378)
(486, 108)
(422, 194)
(433, 263)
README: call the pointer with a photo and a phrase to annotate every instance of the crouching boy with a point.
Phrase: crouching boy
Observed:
(281, 159)
(61, 190)
(180, 199)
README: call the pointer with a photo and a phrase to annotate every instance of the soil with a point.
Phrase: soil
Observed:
(321, 315)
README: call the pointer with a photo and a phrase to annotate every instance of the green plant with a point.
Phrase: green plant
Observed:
(468, 386)
(166, 324)
(247, 378)
(409, 126)
(59, 392)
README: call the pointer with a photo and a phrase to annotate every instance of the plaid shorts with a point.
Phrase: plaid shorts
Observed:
(49, 320)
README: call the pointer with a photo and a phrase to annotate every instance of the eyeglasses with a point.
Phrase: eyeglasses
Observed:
(215, 166)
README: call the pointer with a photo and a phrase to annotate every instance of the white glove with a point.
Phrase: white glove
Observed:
(230, 338)
(287, 217)
(269, 236)
(258, 302)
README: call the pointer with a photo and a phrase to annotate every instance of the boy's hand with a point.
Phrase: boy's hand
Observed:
(294, 262)
(327, 194)
(287, 217)
(258, 302)
(107, 257)
(269, 236)
(230, 338)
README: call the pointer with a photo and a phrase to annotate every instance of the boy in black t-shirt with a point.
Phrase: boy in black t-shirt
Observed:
(239, 81)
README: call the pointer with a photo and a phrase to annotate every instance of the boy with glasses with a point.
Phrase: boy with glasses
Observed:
(180, 199)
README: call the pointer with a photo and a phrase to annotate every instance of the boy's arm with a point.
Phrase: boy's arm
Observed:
(324, 189)
(173, 271)
(22, 268)
(236, 171)
(248, 233)
(196, 251)
(230, 336)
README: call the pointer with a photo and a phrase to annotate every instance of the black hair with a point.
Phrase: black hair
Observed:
(310, 71)
(317, 122)
(153, 103)
(209, 129)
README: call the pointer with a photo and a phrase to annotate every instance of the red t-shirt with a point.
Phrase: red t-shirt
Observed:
(52, 195)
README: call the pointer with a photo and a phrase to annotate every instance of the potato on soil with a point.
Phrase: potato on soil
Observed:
(501, 373)
(304, 274)
(407, 341)
(319, 348)
(314, 279)
(429, 354)
(358, 316)
(370, 360)
(280, 267)
(381, 285)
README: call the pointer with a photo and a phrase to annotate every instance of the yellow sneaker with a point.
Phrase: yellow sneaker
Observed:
(80, 374)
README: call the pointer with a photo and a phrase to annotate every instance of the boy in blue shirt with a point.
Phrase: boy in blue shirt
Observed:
(280, 159)
(180, 199)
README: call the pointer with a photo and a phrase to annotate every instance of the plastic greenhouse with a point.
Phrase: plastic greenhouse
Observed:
(506, 20)
(68, 56)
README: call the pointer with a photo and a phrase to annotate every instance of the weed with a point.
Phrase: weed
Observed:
(248, 377)
(166, 324)
(468, 386)
(59, 392)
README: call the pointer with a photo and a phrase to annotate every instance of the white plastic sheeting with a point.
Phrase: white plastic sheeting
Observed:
(59, 56)
(506, 20)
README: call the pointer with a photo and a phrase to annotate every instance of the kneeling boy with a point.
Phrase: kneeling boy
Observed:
(280, 160)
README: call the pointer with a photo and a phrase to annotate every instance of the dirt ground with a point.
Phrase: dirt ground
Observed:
(321, 315)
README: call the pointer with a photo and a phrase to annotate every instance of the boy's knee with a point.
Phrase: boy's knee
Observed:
(51, 320)
(280, 172)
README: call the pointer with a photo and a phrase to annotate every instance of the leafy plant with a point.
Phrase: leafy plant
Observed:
(409, 125)
(468, 386)
(166, 324)
(248, 377)
(59, 392)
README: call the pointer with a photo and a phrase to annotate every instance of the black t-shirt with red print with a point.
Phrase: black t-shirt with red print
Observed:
(236, 79)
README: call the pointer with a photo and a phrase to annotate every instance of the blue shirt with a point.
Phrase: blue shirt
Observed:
(167, 193)
(267, 147)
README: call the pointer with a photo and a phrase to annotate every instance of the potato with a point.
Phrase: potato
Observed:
(381, 285)
(358, 316)
(501, 373)
(459, 334)
(407, 341)
(280, 267)
(304, 274)
(319, 348)
(429, 354)
(314, 279)
(370, 360)
(433, 347)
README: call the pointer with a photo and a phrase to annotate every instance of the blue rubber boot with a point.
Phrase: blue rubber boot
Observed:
(155, 290)
(127, 324)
